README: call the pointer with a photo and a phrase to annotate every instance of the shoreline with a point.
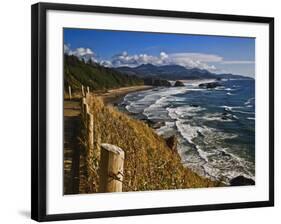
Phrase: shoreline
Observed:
(109, 121)
(241, 178)
(114, 96)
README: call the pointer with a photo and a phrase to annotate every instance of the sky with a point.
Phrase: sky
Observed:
(218, 54)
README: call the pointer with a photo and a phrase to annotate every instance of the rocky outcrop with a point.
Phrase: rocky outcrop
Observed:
(172, 143)
(178, 83)
(194, 105)
(241, 181)
(228, 116)
(210, 85)
(154, 124)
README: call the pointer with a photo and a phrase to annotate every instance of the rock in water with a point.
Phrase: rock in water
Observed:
(154, 124)
(172, 143)
(194, 105)
(179, 83)
(158, 124)
(241, 181)
(210, 85)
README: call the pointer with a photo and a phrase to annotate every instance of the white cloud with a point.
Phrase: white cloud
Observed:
(105, 63)
(81, 53)
(189, 60)
(66, 48)
(198, 57)
(195, 60)
(124, 59)
(237, 62)
(186, 59)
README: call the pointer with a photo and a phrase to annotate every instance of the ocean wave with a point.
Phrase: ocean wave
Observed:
(187, 131)
(157, 110)
(229, 89)
(219, 117)
(233, 109)
(249, 101)
(242, 112)
(219, 88)
(213, 136)
(251, 118)
(205, 156)
(203, 148)
(167, 130)
(230, 108)
(197, 89)
(138, 102)
(218, 164)
(182, 111)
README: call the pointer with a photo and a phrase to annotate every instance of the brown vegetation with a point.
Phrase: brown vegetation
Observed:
(149, 163)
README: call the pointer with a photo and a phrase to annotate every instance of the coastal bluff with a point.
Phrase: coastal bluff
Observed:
(151, 162)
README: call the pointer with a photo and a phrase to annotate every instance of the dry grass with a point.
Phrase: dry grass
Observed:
(149, 162)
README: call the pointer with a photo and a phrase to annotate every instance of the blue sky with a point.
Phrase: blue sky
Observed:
(122, 48)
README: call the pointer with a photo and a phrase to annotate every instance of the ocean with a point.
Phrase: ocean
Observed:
(215, 128)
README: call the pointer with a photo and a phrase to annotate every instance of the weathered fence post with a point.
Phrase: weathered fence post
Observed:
(90, 131)
(83, 106)
(83, 91)
(69, 92)
(111, 168)
(85, 109)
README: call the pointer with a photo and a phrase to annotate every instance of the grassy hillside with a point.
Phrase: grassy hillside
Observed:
(97, 77)
(149, 163)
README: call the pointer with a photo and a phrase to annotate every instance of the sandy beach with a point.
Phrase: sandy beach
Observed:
(113, 96)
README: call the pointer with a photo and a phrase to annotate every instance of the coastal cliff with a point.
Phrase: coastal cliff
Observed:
(150, 163)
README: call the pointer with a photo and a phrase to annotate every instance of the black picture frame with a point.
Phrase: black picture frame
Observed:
(39, 123)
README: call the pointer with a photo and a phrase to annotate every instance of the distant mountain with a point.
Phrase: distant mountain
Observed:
(173, 72)
(97, 77)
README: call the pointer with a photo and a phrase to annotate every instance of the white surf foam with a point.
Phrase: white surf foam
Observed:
(217, 117)
(251, 118)
(186, 110)
(187, 131)
(249, 101)
(230, 94)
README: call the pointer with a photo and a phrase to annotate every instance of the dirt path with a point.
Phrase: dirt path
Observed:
(73, 158)
(75, 175)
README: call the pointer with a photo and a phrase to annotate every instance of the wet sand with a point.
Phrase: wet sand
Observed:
(114, 96)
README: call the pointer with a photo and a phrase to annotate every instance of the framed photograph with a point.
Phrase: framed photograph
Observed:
(139, 111)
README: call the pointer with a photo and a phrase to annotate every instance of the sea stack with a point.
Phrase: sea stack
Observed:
(241, 181)
(210, 85)
(178, 83)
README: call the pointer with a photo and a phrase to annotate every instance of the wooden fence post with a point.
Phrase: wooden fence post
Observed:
(90, 131)
(111, 168)
(86, 111)
(83, 106)
(69, 92)
(83, 91)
